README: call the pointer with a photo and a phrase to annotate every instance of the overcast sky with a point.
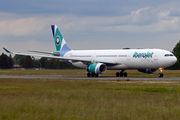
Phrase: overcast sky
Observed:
(89, 24)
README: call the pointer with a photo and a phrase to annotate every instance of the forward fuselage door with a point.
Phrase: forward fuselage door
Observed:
(156, 55)
(129, 56)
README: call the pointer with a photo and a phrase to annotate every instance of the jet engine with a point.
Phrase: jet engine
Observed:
(97, 68)
(148, 70)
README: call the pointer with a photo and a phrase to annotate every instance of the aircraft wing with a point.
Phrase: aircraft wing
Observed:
(66, 58)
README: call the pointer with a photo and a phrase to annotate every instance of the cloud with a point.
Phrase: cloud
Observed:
(112, 25)
(23, 26)
(138, 12)
(78, 7)
(23, 46)
(136, 22)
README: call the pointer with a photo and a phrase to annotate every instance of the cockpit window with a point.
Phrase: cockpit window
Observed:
(166, 55)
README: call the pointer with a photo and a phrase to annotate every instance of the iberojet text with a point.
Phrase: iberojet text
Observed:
(143, 55)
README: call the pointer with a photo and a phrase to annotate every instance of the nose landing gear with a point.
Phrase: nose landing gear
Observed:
(161, 72)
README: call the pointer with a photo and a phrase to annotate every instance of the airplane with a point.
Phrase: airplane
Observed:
(99, 61)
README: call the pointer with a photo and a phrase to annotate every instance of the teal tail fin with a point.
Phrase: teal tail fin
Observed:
(59, 41)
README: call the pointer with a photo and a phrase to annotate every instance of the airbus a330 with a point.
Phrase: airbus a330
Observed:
(99, 61)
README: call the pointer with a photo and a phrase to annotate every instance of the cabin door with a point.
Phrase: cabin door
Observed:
(156, 55)
(129, 56)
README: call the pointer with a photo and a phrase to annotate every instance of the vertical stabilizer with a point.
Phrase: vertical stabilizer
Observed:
(59, 41)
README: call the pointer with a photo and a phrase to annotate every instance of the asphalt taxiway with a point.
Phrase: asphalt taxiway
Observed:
(90, 78)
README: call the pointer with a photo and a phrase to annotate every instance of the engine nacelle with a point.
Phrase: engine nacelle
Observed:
(148, 70)
(97, 68)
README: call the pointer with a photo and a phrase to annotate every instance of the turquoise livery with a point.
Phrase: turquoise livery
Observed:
(60, 43)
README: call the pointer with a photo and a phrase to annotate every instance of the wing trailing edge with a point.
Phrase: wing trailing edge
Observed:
(90, 61)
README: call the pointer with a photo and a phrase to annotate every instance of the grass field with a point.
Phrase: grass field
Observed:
(88, 99)
(84, 99)
(83, 72)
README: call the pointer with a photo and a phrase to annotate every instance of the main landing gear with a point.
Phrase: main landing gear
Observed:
(121, 74)
(92, 74)
(160, 74)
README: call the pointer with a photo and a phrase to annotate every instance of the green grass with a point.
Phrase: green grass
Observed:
(83, 72)
(86, 99)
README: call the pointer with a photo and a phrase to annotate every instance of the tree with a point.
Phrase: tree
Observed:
(10, 62)
(17, 58)
(26, 62)
(42, 62)
(176, 52)
(56, 64)
(5, 61)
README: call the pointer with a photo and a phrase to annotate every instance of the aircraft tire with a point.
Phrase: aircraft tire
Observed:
(121, 74)
(117, 74)
(88, 75)
(125, 74)
(96, 75)
(160, 75)
(92, 74)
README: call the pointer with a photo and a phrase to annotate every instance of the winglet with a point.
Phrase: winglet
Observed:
(6, 50)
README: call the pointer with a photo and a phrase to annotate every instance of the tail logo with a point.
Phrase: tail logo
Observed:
(60, 43)
(57, 40)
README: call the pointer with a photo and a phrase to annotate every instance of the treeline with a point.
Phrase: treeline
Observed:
(31, 62)
(7, 62)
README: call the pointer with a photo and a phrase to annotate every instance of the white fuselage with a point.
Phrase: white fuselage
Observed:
(128, 58)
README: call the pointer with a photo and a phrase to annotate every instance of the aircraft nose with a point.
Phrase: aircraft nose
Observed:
(174, 60)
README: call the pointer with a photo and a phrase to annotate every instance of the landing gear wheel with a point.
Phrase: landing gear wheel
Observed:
(92, 74)
(160, 74)
(96, 75)
(117, 74)
(125, 74)
(121, 74)
(88, 75)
